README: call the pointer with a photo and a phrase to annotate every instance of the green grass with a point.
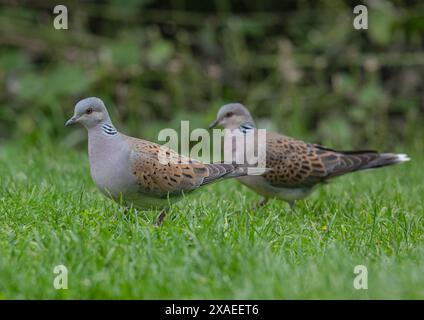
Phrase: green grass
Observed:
(213, 245)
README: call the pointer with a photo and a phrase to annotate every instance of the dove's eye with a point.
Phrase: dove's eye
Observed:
(229, 114)
(89, 111)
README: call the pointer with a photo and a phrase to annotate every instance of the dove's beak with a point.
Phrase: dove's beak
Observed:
(71, 121)
(214, 124)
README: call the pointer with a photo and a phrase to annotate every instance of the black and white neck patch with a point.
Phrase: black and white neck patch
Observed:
(245, 127)
(109, 129)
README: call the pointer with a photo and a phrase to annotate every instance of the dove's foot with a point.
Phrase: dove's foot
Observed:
(161, 218)
(292, 205)
(260, 204)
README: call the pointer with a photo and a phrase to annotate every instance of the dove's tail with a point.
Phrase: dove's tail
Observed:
(385, 159)
(362, 160)
(229, 170)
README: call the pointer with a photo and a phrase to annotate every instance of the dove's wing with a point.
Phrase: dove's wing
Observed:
(161, 171)
(295, 163)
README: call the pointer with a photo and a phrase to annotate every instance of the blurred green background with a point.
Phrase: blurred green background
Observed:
(299, 66)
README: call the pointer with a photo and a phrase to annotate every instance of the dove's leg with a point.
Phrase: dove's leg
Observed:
(125, 209)
(260, 204)
(161, 217)
(292, 205)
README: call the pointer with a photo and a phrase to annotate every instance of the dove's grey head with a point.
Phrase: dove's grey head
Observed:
(232, 116)
(90, 112)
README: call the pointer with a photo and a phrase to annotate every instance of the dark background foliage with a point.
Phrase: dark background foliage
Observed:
(299, 66)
